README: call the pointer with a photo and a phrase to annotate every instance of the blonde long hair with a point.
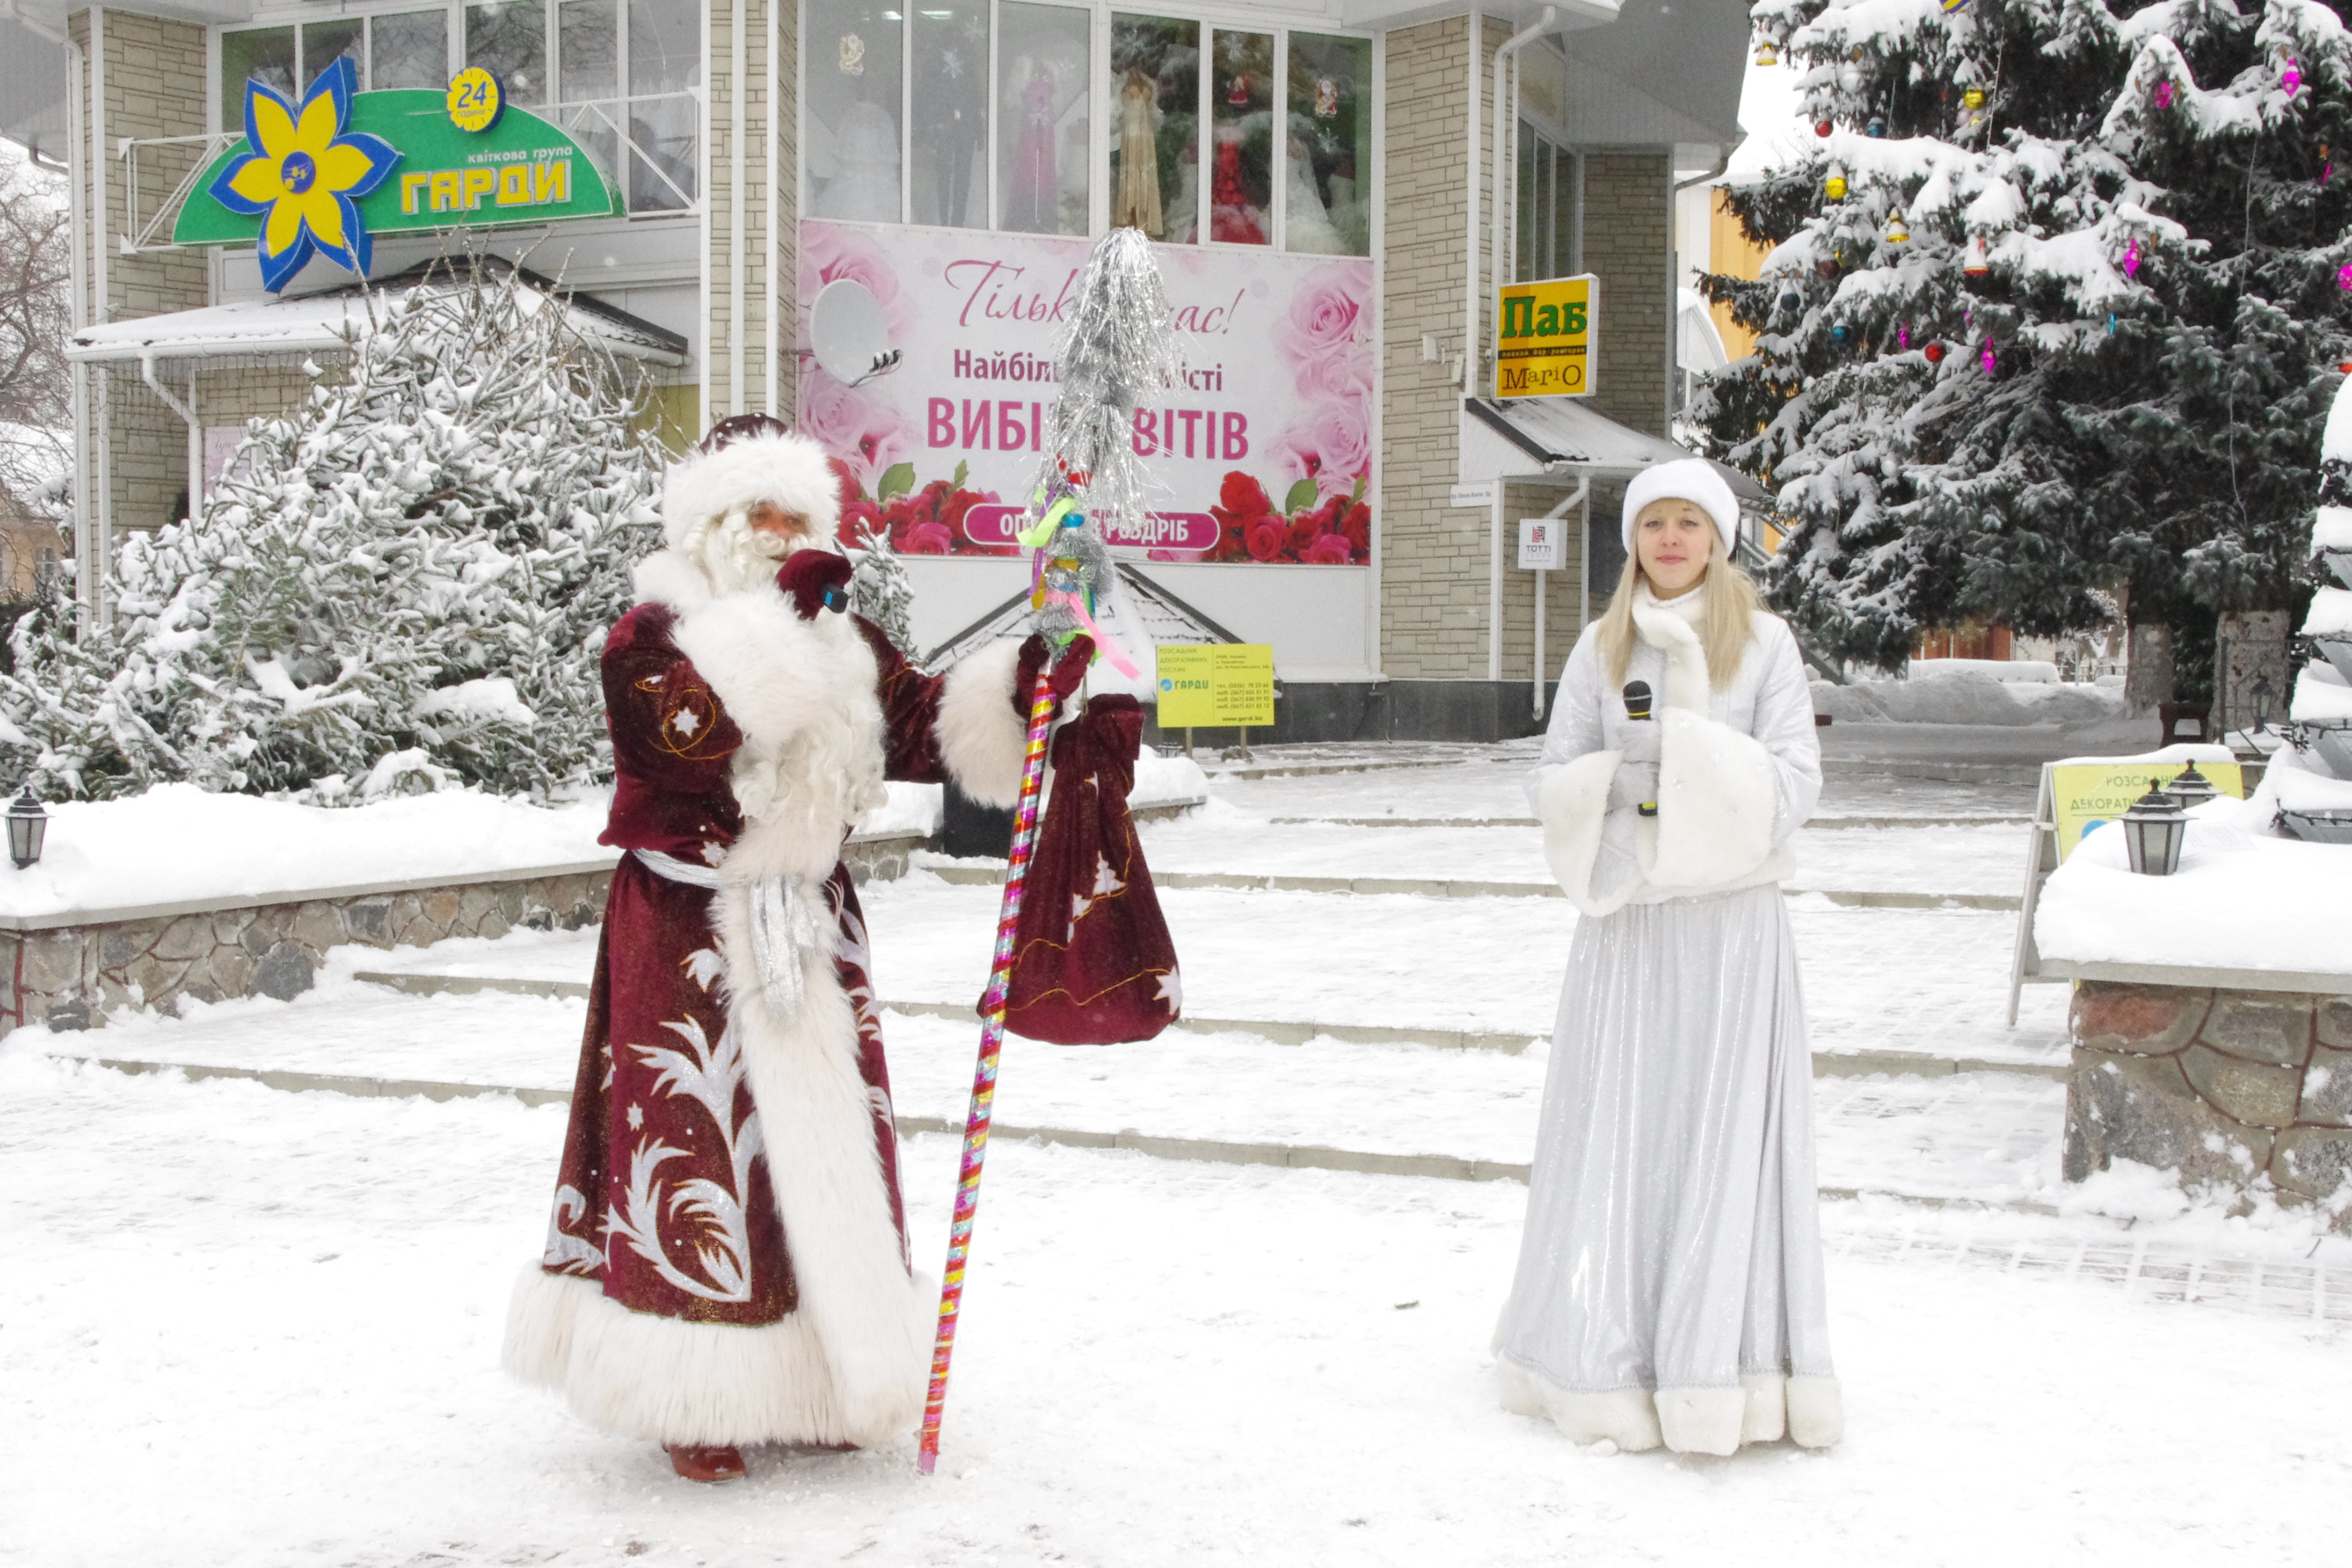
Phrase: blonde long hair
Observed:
(1732, 603)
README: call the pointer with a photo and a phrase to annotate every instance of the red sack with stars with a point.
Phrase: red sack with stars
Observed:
(1093, 963)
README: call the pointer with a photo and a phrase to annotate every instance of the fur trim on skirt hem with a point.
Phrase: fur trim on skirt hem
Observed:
(1765, 1407)
(671, 1381)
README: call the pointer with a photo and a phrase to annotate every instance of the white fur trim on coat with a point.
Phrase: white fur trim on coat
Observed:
(982, 739)
(1574, 803)
(786, 470)
(1702, 1420)
(1816, 1412)
(1716, 786)
(669, 1379)
(1625, 1416)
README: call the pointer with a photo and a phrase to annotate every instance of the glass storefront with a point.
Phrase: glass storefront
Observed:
(1028, 116)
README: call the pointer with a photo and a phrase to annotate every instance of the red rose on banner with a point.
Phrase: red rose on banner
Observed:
(1268, 539)
(857, 517)
(1329, 549)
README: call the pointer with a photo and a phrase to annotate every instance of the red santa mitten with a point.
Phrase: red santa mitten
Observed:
(1071, 670)
(1093, 963)
(814, 580)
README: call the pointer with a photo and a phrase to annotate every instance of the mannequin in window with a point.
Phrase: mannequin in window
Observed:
(1232, 219)
(1308, 221)
(1138, 157)
(1030, 206)
(867, 189)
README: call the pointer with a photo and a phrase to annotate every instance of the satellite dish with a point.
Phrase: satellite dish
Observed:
(849, 334)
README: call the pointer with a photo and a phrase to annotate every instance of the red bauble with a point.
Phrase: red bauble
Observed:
(1822, 127)
(1935, 354)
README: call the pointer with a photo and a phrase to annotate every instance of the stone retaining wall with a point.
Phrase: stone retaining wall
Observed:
(71, 977)
(2250, 1089)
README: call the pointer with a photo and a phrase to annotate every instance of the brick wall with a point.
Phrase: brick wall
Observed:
(739, 237)
(1434, 556)
(1629, 243)
(782, 189)
(150, 76)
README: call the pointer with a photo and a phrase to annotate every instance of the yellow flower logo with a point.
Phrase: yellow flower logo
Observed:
(303, 173)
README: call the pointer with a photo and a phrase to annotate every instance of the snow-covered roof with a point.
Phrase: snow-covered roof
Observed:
(1567, 437)
(322, 324)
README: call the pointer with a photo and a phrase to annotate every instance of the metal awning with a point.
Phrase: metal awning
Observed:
(1565, 439)
(322, 323)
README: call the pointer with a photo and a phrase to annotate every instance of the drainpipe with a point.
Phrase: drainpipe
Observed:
(78, 261)
(1508, 47)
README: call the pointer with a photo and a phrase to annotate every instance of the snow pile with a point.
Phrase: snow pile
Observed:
(1973, 695)
(1167, 781)
(177, 844)
(2241, 899)
(2038, 671)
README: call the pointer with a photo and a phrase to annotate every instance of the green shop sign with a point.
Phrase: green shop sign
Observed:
(325, 177)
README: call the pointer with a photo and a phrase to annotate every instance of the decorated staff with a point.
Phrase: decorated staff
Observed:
(1118, 350)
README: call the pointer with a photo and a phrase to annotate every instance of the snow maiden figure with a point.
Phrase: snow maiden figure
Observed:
(1669, 1284)
(727, 1259)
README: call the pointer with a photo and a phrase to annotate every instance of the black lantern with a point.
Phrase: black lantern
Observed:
(2154, 829)
(29, 825)
(2192, 788)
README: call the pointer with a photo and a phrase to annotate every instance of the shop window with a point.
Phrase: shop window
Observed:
(588, 71)
(1155, 147)
(665, 54)
(409, 50)
(853, 75)
(265, 55)
(1241, 136)
(1548, 190)
(508, 39)
(324, 43)
(951, 115)
(1327, 186)
(1041, 118)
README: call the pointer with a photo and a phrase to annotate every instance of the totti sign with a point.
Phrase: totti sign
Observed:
(1544, 338)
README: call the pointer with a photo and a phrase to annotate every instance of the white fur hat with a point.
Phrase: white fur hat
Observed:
(1693, 480)
(742, 463)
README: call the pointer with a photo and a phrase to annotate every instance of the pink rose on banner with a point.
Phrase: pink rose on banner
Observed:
(828, 252)
(1326, 339)
(1331, 443)
(867, 435)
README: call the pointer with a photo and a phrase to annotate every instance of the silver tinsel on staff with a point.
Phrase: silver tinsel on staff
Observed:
(1116, 352)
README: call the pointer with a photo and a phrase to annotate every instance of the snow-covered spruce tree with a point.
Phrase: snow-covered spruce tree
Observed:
(878, 588)
(407, 581)
(2038, 323)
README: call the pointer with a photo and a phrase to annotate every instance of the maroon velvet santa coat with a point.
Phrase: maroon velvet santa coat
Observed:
(727, 1259)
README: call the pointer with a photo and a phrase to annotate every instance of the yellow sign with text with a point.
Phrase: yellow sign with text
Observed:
(1216, 686)
(2085, 795)
(1544, 338)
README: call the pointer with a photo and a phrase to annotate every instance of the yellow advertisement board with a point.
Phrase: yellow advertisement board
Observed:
(2085, 795)
(1216, 686)
(1544, 338)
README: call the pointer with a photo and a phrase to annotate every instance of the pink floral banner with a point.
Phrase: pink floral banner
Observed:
(1264, 455)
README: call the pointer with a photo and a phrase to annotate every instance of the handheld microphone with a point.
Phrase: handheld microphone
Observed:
(1637, 708)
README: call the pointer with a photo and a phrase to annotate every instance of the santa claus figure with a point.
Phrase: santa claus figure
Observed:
(727, 1262)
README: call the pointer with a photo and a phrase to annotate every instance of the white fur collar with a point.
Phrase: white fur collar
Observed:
(1690, 606)
(1668, 628)
(670, 578)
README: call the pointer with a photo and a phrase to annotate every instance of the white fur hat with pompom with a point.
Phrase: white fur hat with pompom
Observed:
(1693, 480)
(742, 462)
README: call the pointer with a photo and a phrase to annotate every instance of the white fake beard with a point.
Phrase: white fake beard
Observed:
(740, 557)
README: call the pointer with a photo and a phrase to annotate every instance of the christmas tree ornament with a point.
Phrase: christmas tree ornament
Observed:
(1933, 354)
(2344, 276)
(1877, 126)
(1838, 332)
(1988, 360)
(1823, 127)
(1902, 337)
(1950, 6)
(2163, 94)
(2111, 323)
(2326, 163)
(1791, 303)
(1765, 54)
(1827, 268)
(1976, 263)
(1850, 77)
(2291, 78)
(2131, 258)
(1973, 100)
(1897, 232)
(1833, 187)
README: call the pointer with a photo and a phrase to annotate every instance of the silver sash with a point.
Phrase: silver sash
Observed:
(784, 934)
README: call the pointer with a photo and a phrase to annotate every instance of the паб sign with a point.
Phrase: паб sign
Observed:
(1214, 687)
(1544, 338)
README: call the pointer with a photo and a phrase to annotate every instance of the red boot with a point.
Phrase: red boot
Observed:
(706, 1462)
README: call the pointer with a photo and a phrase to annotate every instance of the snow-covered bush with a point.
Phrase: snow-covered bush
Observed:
(406, 582)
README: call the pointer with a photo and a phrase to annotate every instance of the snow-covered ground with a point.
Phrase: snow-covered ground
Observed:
(242, 1325)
